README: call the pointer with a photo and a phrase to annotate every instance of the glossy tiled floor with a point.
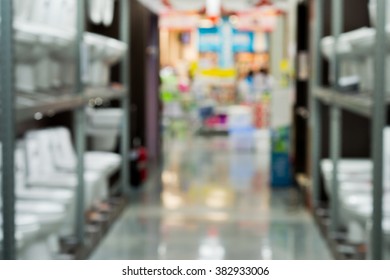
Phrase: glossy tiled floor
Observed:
(214, 202)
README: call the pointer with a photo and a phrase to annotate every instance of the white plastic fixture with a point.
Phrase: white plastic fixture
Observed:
(108, 11)
(101, 11)
(65, 155)
(27, 228)
(28, 52)
(103, 128)
(355, 193)
(103, 53)
(42, 171)
(372, 12)
(44, 29)
(355, 50)
(94, 7)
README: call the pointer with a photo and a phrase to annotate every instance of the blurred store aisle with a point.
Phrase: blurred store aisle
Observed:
(215, 204)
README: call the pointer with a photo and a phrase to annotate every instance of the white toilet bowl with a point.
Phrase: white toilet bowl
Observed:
(372, 12)
(104, 52)
(103, 127)
(62, 16)
(42, 171)
(101, 11)
(50, 215)
(356, 51)
(357, 171)
(95, 8)
(358, 208)
(27, 229)
(353, 60)
(104, 163)
(28, 52)
(355, 195)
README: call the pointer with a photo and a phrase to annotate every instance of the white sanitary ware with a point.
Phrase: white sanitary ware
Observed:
(57, 19)
(103, 53)
(65, 197)
(28, 52)
(45, 34)
(42, 171)
(26, 227)
(103, 126)
(41, 32)
(352, 60)
(355, 195)
(356, 53)
(105, 163)
(357, 171)
(50, 214)
(355, 190)
(37, 222)
(101, 11)
(372, 12)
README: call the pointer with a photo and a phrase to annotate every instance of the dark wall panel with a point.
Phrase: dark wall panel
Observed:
(356, 129)
(139, 38)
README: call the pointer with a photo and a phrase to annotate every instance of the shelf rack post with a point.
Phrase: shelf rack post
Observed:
(125, 80)
(79, 122)
(378, 124)
(316, 129)
(335, 114)
(7, 129)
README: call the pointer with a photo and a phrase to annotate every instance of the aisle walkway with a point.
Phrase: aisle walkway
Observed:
(214, 203)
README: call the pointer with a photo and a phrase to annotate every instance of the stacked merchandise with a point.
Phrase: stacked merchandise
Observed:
(178, 103)
(261, 113)
(254, 90)
(215, 93)
(356, 53)
(355, 195)
(46, 164)
(45, 34)
(45, 190)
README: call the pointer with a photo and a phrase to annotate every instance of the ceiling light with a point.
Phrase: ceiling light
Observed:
(213, 8)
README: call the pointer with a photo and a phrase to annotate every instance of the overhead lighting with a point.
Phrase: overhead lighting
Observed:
(213, 8)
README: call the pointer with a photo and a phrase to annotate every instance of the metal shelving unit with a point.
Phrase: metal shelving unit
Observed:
(16, 108)
(358, 103)
(47, 107)
(125, 80)
(371, 106)
(105, 93)
(7, 132)
(39, 105)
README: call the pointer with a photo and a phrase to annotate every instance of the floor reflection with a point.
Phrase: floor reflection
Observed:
(215, 203)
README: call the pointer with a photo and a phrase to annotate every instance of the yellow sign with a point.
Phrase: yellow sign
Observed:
(219, 72)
